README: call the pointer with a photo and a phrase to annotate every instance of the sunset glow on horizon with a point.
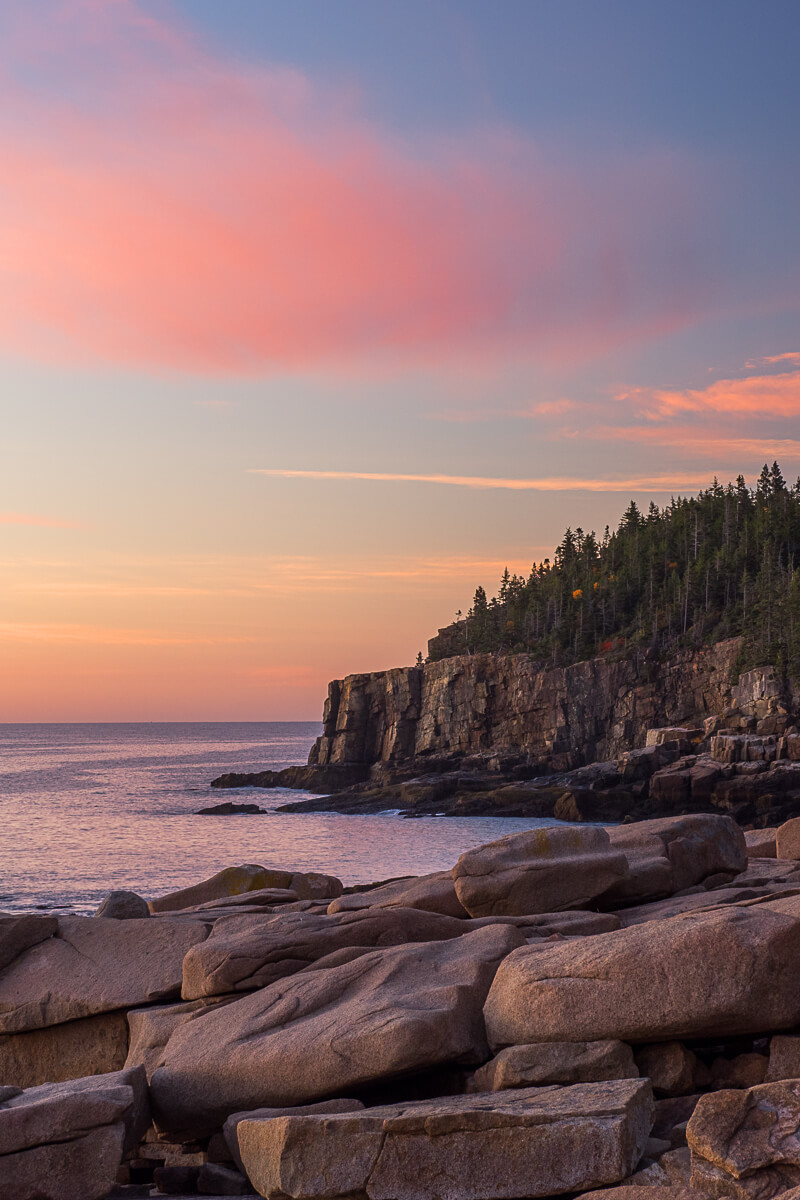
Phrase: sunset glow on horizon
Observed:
(313, 318)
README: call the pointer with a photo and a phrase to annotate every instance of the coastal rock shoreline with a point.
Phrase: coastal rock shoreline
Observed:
(483, 735)
(567, 1009)
(607, 1002)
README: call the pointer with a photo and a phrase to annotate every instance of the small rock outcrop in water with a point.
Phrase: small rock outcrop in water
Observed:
(593, 1007)
(228, 809)
(331, 778)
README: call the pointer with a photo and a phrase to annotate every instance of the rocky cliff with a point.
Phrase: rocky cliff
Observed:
(600, 740)
(557, 718)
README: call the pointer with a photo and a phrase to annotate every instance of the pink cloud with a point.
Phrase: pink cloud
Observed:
(471, 416)
(793, 356)
(548, 408)
(162, 207)
(755, 396)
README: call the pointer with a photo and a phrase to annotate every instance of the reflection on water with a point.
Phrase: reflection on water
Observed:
(88, 808)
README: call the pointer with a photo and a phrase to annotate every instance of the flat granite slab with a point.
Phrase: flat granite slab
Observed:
(527, 1142)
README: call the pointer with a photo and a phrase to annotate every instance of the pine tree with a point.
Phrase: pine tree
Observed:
(720, 564)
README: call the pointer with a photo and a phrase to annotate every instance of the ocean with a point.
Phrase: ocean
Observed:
(85, 809)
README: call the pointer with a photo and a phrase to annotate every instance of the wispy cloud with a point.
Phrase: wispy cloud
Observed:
(99, 635)
(176, 583)
(162, 206)
(700, 443)
(754, 396)
(640, 483)
(474, 416)
(547, 408)
(11, 518)
(792, 356)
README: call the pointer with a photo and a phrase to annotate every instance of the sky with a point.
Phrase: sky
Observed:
(316, 314)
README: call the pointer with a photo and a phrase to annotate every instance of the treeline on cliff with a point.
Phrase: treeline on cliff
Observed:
(720, 564)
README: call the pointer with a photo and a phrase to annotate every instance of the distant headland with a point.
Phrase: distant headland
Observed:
(652, 671)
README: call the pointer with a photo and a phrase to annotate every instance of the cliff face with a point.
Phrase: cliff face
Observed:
(510, 705)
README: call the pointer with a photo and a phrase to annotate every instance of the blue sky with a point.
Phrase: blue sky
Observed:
(720, 74)
(543, 255)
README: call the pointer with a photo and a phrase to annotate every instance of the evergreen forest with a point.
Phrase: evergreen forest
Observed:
(703, 568)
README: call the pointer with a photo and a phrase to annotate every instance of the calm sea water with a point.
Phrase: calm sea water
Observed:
(88, 808)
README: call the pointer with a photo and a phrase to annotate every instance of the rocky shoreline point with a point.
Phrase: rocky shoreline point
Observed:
(569, 1011)
(600, 741)
(577, 1010)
